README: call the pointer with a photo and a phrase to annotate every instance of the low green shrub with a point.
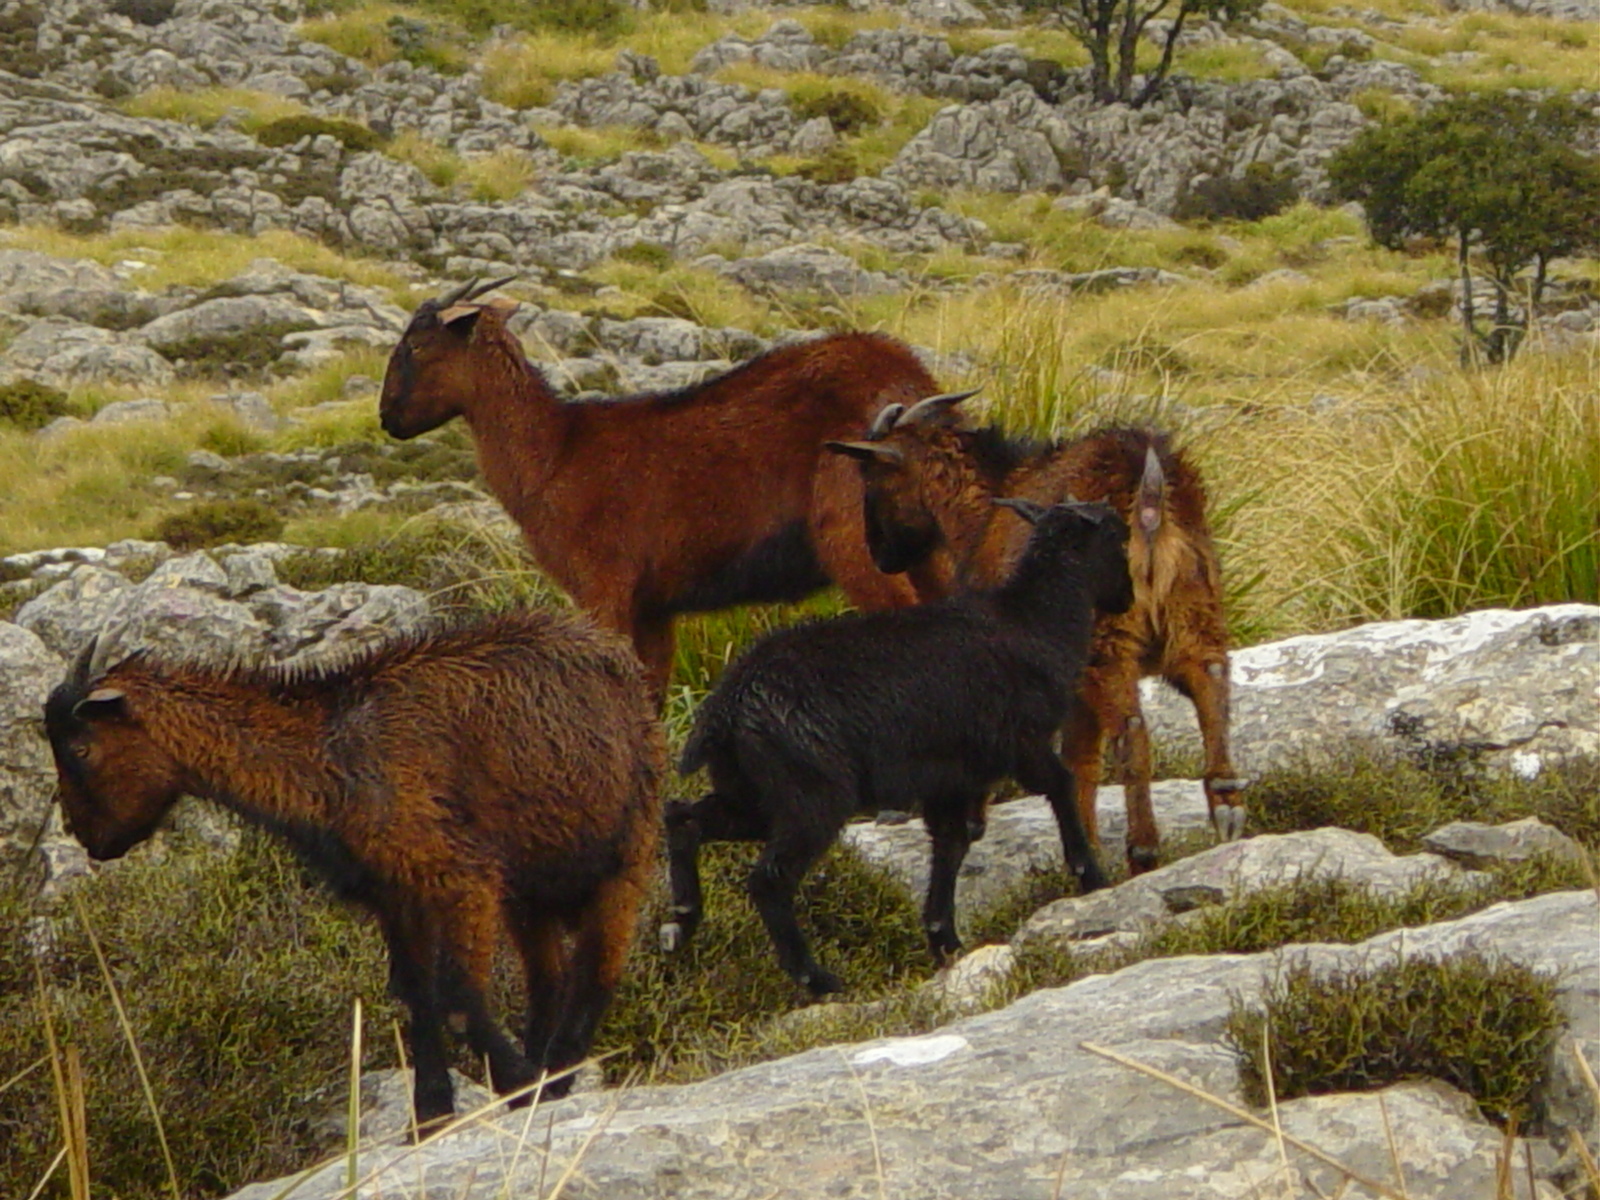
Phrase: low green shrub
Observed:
(1482, 1024)
(215, 522)
(285, 131)
(646, 254)
(848, 110)
(836, 164)
(28, 404)
(1260, 192)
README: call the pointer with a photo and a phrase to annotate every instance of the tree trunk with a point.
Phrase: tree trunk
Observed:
(1156, 78)
(1469, 328)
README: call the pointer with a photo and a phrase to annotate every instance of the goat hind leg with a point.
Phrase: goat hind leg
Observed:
(1205, 682)
(473, 924)
(773, 882)
(413, 978)
(594, 971)
(713, 818)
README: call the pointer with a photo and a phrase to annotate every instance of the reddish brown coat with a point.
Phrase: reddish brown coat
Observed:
(488, 780)
(933, 485)
(652, 505)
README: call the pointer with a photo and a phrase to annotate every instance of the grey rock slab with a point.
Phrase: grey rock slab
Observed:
(1007, 1105)
(1233, 869)
(1476, 844)
(227, 316)
(127, 412)
(28, 670)
(1526, 681)
(808, 268)
(63, 352)
(1021, 839)
(68, 614)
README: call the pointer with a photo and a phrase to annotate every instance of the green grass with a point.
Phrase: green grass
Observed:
(204, 107)
(1365, 1028)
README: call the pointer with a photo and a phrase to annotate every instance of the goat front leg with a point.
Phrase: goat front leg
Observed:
(1041, 771)
(1204, 680)
(950, 827)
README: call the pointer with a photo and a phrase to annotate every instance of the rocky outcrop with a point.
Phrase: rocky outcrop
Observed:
(1011, 1103)
(1501, 688)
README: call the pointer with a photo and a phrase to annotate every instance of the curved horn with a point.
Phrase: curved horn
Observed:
(458, 294)
(486, 288)
(1026, 509)
(105, 646)
(867, 451)
(83, 666)
(888, 416)
(936, 405)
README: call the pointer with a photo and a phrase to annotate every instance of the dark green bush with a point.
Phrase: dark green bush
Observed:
(847, 111)
(286, 131)
(1260, 192)
(29, 404)
(837, 164)
(646, 254)
(1481, 1024)
(144, 12)
(214, 522)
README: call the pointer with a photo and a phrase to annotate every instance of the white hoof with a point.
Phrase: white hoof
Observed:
(671, 937)
(1229, 822)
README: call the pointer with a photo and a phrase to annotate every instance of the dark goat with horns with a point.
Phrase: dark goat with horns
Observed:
(648, 506)
(920, 709)
(928, 489)
(498, 777)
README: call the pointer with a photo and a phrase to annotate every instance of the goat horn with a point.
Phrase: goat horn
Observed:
(935, 405)
(484, 289)
(105, 646)
(866, 451)
(887, 416)
(83, 666)
(1026, 509)
(459, 294)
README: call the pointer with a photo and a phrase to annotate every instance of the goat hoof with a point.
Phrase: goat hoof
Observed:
(1227, 785)
(1229, 821)
(1142, 859)
(671, 937)
(821, 982)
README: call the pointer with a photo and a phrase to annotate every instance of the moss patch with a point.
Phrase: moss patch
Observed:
(285, 131)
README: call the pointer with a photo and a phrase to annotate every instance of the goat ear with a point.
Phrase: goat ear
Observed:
(503, 305)
(1026, 509)
(867, 452)
(460, 314)
(102, 702)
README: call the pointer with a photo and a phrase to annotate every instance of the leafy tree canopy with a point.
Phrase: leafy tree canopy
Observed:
(1503, 175)
(1110, 30)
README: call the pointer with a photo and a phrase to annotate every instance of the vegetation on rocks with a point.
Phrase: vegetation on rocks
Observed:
(1357, 1030)
(219, 521)
(28, 404)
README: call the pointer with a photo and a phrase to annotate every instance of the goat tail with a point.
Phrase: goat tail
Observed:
(1156, 548)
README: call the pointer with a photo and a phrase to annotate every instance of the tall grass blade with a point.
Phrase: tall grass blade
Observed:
(352, 1133)
(133, 1045)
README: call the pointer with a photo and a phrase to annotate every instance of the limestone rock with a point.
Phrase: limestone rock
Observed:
(1513, 688)
(28, 670)
(1475, 844)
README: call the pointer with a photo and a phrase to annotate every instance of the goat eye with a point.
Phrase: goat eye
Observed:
(81, 751)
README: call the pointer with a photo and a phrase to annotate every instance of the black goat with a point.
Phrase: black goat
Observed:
(920, 708)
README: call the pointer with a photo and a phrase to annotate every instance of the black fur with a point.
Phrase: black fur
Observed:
(920, 708)
(780, 568)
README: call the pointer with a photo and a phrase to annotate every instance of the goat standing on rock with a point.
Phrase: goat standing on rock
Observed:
(652, 505)
(928, 491)
(923, 708)
(493, 777)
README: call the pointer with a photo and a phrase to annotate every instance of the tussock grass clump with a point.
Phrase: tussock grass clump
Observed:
(1399, 801)
(237, 974)
(215, 522)
(712, 1006)
(29, 404)
(1479, 1023)
(206, 106)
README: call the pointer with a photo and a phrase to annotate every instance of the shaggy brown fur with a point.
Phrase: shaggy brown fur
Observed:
(930, 489)
(495, 777)
(653, 505)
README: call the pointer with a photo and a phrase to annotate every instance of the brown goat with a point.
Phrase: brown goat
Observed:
(929, 493)
(652, 505)
(495, 777)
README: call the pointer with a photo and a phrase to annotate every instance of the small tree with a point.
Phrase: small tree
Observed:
(1110, 29)
(1502, 175)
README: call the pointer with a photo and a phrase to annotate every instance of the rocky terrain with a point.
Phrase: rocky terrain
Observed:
(222, 284)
